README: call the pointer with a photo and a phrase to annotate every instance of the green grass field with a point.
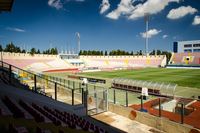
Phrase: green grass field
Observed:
(188, 80)
(182, 77)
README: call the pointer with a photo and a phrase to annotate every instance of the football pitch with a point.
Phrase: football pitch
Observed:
(188, 80)
(182, 77)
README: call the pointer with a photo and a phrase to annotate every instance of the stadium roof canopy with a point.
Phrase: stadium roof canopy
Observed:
(167, 89)
(6, 5)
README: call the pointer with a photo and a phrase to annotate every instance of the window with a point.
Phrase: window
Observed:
(175, 48)
(196, 50)
(187, 50)
(187, 45)
(196, 45)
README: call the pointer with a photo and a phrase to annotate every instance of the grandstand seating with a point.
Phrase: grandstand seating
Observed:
(42, 113)
(185, 58)
(41, 63)
(22, 63)
(13, 108)
(17, 129)
(105, 62)
(56, 116)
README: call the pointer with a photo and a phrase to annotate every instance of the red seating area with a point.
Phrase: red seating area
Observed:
(178, 58)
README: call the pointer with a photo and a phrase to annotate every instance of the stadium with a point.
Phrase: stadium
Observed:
(94, 91)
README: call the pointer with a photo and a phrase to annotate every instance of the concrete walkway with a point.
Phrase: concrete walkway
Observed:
(124, 123)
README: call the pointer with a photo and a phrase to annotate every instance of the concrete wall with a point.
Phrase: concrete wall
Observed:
(150, 120)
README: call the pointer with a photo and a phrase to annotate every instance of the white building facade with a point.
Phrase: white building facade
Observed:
(186, 46)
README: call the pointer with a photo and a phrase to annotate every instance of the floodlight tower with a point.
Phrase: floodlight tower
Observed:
(146, 18)
(78, 41)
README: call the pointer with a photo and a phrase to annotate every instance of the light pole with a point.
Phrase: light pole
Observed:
(2, 55)
(79, 42)
(147, 28)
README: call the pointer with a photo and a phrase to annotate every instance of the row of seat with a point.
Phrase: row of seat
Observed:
(135, 89)
(17, 112)
(17, 129)
(21, 108)
(35, 114)
(56, 121)
(74, 121)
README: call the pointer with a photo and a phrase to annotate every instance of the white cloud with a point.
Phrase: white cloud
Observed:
(150, 33)
(128, 9)
(150, 7)
(196, 20)
(15, 29)
(65, 1)
(181, 12)
(125, 7)
(79, 0)
(164, 36)
(56, 4)
(105, 5)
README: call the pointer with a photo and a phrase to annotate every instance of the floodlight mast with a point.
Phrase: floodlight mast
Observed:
(146, 17)
(78, 41)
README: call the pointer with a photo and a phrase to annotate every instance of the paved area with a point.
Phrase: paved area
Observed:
(124, 123)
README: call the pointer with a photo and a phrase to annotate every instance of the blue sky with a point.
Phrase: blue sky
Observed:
(102, 24)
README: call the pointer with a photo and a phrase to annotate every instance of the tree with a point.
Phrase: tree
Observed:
(17, 49)
(101, 53)
(38, 51)
(23, 51)
(168, 55)
(33, 51)
(153, 52)
(158, 52)
(10, 48)
(54, 51)
(131, 53)
(80, 53)
(84, 52)
(106, 53)
(139, 53)
(1, 49)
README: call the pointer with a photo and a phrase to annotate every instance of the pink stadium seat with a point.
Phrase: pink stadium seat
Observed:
(178, 58)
